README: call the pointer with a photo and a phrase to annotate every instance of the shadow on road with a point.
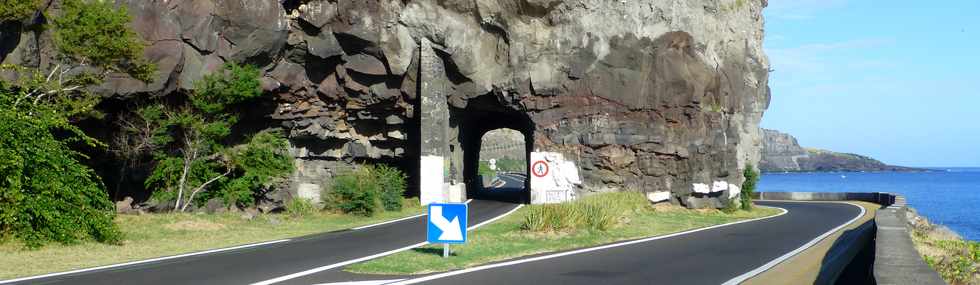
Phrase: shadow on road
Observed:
(850, 258)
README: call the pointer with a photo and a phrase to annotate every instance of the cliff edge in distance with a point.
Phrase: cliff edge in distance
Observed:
(781, 152)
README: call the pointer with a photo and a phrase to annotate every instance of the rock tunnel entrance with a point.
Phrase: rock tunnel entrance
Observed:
(484, 115)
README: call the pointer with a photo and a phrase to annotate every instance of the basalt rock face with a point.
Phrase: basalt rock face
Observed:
(645, 95)
(782, 153)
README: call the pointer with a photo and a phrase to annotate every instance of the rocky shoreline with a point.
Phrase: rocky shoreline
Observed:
(956, 259)
(782, 152)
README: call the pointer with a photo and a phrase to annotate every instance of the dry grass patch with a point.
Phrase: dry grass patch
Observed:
(156, 235)
(195, 225)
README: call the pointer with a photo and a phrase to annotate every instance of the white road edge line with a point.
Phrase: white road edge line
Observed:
(369, 282)
(584, 250)
(335, 265)
(496, 218)
(741, 278)
(366, 258)
(388, 222)
(142, 261)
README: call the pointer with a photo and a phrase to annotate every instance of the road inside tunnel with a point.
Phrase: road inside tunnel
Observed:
(482, 117)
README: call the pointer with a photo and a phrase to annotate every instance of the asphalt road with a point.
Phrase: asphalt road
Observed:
(250, 265)
(712, 256)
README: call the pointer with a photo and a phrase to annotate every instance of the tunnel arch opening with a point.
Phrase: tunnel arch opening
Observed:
(480, 116)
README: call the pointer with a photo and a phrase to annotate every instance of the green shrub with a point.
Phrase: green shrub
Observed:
(354, 193)
(298, 207)
(258, 162)
(958, 261)
(748, 187)
(366, 189)
(392, 184)
(46, 194)
(13, 10)
(599, 212)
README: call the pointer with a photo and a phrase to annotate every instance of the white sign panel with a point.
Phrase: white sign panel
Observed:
(553, 179)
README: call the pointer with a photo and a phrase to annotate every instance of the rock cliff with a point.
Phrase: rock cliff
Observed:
(645, 95)
(782, 153)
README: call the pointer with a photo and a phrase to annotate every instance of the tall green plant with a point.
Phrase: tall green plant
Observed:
(748, 187)
(392, 184)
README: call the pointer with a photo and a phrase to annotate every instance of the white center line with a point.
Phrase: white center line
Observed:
(584, 250)
(366, 258)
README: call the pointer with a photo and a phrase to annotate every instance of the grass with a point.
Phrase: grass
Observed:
(506, 239)
(156, 235)
(957, 260)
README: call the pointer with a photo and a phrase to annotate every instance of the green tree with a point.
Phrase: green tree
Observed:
(748, 187)
(191, 157)
(46, 194)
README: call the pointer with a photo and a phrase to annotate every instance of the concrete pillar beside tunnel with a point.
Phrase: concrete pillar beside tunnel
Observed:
(553, 179)
(439, 178)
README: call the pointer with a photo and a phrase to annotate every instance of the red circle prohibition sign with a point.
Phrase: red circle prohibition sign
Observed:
(539, 168)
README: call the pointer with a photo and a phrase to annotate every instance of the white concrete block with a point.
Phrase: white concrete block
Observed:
(701, 188)
(719, 186)
(734, 191)
(657, 197)
(455, 193)
(309, 191)
(431, 179)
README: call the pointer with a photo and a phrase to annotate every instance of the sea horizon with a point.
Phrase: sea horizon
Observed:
(945, 196)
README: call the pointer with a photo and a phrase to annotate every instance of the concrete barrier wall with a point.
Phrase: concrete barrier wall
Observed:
(896, 261)
(884, 199)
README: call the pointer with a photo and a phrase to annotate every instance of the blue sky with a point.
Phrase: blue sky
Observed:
(895, 80)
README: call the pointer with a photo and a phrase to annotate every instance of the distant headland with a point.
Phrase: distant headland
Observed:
(782, 153)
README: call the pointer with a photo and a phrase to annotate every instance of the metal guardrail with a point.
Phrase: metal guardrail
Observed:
(896, 261)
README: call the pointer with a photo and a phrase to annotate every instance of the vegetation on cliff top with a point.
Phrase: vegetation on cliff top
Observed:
(13, 10)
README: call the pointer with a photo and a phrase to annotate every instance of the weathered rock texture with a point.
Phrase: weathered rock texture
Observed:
(782, 153)
(503, 143)
(646, 95)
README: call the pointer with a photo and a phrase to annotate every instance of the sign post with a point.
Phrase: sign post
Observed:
(447, 225)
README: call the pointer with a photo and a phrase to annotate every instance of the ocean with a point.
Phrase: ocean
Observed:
(948, 196)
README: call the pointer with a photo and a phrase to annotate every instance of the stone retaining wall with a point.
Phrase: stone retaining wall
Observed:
(896, 261)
